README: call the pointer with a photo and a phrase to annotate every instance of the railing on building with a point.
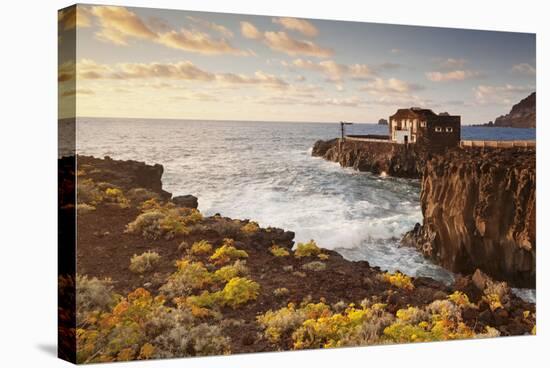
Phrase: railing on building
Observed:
(496, 144)
(370, 138)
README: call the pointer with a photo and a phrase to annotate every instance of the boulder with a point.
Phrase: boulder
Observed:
(189, 201)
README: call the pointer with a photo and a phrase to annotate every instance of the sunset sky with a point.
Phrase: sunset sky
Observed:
(152, 63)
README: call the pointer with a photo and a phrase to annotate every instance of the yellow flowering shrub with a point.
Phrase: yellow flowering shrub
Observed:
(399, 280)
(331, 331)
(237, 291)
(141, 326)
(226, 273)
(279, 251)
(250, 228)
(188, 277)
(93, 194)
(163, 220)
(493, 300)
(461, 299)
(202, 247)
(115, 195)
(307, 249)
(227, 252)
(240, 290)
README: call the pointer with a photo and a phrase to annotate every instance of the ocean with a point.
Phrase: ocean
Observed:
(264, 171)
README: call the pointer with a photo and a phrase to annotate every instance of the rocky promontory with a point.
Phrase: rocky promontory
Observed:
(479, 211)
(478, 204)
(522, 115)
(377, 157)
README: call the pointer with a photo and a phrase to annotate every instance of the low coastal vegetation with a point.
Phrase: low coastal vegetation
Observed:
(145, 262)
(211, 285)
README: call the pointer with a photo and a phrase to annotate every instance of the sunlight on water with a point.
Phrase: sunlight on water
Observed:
(265, 172)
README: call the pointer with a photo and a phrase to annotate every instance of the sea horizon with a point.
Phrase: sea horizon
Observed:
(472, 125)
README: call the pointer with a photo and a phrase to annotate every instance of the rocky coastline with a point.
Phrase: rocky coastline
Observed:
(280, 283)
(377, 157)
(478, 204)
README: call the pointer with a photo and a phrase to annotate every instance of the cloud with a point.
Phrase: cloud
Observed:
(452, 63)
(184, 70)
(248, 30)
(73, 17)
(455, 75)
(396, 51)
(259, 78)
(223, 31)
(66, 71)
(282, 42)
(74, 92)
(353, 101)
(300, 25)
(198, 96)
(118, 24)
(524, 68)
(391, 86)
(387, 66)
(392, 101)
(198, 42)
(333, 71)
(500, 95)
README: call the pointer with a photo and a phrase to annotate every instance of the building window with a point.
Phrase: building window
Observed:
(449, 129)
(423, 124)
(438, 129)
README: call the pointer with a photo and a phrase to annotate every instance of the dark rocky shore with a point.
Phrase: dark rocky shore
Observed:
(282, 290)
(377, 157)
(478, 204)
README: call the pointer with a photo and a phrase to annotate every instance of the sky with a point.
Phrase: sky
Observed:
(157, 63)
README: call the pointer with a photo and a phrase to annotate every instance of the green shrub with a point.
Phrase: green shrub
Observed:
(279, 251)
(227, 252)
(314, 266)
(307, 249)
(145, 262)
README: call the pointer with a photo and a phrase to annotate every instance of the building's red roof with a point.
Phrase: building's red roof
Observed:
(413, 113)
